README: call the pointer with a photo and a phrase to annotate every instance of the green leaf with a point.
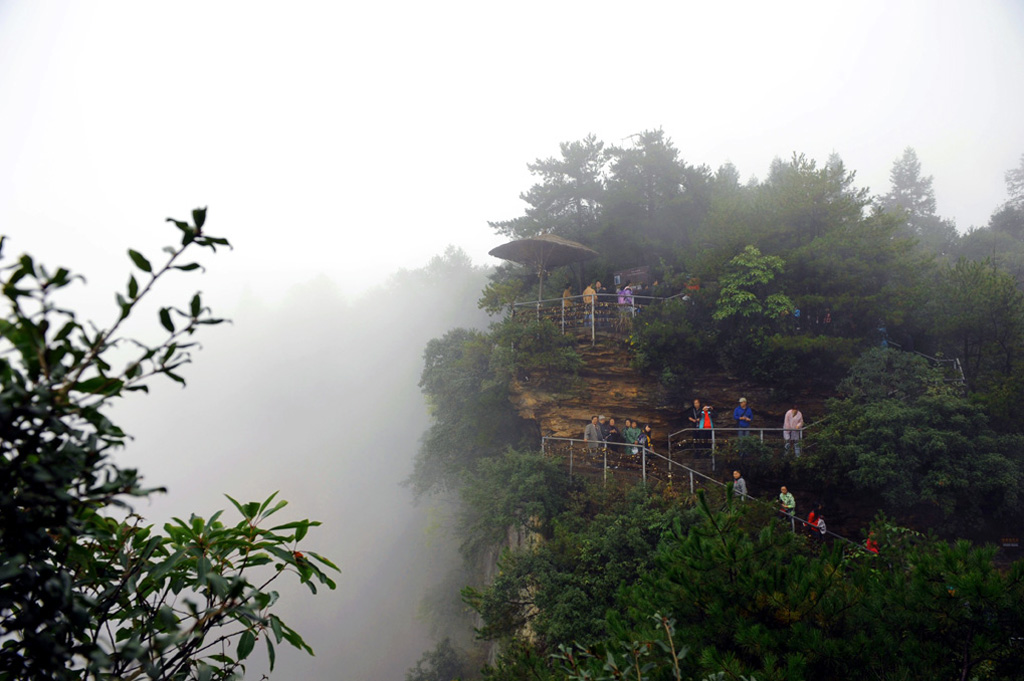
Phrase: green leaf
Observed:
(65, 331)
(196, 305)
(275, 625)
(173, 376)
(245, 645)
(165, 319)
(187, 268)
(133, 288)
(126, 307)
(266, 514)
(235, 503)
(268, 500)
(100, 385)
(271, 655)
(323, 560)
(140, 261)
(199, 217)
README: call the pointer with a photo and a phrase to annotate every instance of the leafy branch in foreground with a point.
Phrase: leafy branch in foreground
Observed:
(87, 593)
(193, 602)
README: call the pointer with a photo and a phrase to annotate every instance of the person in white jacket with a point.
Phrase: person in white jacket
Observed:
(793, 429)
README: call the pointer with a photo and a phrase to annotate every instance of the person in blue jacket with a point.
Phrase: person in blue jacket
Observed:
(743, 415)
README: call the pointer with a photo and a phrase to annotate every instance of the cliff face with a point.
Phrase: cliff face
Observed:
(608, 385)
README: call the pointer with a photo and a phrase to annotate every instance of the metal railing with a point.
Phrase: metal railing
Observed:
(610, 311)
(648, 462)
(655, 465)
(707, 439)
(693, 437)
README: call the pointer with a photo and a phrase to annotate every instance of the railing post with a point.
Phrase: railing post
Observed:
(712, 450)
(691, 481)
(563, 316)
(593, 320)
(645, 465)
(605, 478)
(572, 451)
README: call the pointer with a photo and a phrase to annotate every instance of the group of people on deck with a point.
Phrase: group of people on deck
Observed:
(602, 433)
(702, 421)
(603, 305)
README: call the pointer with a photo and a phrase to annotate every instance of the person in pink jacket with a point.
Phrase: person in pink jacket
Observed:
(793, 427)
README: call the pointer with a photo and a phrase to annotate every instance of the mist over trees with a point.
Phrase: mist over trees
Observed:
(888, 294)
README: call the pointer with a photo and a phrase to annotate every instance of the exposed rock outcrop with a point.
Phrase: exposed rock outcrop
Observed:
(608, 385)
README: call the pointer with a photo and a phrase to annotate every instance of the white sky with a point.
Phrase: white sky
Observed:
(351, 139)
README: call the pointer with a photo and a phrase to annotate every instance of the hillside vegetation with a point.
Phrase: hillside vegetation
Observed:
(632, 584)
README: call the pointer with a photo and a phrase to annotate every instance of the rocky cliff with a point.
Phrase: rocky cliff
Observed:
(608, 385)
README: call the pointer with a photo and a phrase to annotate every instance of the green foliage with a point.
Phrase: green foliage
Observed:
(499, 296)
(443, 663)
(745, 288)
(569, 197)
(560, 589)
(912, 198)
(534, 348)
(790, 362)
(903, 434)
(84, 594)
(514, 492)
(667, 342)
(735, 598)
(981, 319)
(472, 417)
(173, 606)
(882, 373)
(748, 308)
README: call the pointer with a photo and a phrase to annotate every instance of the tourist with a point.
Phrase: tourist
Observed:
(648, 437)
(787, 502)
(696, 417)
(592, 434)
(812, 517)
(603, 428)
(614, 437)
(589, 300)
(793, 425)
(631, 434)
(743, 415)
(706, 427)
(822, 529)
(739, 485)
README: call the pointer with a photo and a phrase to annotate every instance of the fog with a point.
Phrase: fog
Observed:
(317, 397)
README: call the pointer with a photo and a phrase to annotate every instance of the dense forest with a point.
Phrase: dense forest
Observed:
(597, 582)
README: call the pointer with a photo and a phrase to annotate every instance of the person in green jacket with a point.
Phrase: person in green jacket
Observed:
(630, 434)
(787, 501)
